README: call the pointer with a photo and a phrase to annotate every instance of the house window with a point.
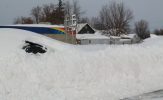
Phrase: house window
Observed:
(89, 41)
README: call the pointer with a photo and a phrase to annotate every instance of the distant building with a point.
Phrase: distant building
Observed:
(84, 28)
(85, 39)
(85, 34)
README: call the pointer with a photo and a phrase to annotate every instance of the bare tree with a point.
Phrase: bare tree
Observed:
(53, 13)
(95, 22)
(36, 13)
(142, 29)
(68, 8)
(17, 20)
(158, 31)
(23, 20)
(48, 11)
(116, 17)
(85, 20)
(77, 10)
(104, 20)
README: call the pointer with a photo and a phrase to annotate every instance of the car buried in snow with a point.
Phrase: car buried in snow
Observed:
(33, 66)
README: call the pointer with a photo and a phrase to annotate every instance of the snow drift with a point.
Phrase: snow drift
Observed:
(67, 72)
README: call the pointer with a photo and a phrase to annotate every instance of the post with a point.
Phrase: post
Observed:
(70, 26)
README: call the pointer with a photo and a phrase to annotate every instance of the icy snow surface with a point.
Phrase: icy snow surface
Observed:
(67, 72)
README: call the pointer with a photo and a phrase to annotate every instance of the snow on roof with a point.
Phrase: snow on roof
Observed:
(37, 25)
(115, 37)
(91, 36)
(127, 36)
(80, 26)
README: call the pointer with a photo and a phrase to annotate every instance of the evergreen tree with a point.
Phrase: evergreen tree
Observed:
(59, 13)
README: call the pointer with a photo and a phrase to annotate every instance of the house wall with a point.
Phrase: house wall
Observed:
(94, 41)
(108, 41)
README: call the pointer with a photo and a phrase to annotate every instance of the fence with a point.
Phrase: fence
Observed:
(109, 41)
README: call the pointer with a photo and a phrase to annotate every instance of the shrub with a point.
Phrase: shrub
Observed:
(142, 29)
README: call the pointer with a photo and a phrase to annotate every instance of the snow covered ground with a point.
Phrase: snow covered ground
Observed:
(67, 72)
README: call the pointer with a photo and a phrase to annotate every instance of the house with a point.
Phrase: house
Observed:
(95, 38)
(85, 34)
(125, 39)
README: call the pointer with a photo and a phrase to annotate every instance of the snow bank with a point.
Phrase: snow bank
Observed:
(66, 72)
(37, 25)
(153, 41)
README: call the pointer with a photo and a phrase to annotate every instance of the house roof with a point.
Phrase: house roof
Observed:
(81, 26)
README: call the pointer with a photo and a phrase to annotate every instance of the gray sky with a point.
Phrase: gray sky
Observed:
(150, 10)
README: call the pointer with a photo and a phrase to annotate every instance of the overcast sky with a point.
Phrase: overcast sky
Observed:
(150, 10)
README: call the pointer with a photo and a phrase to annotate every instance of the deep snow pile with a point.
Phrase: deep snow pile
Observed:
(66, 72)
